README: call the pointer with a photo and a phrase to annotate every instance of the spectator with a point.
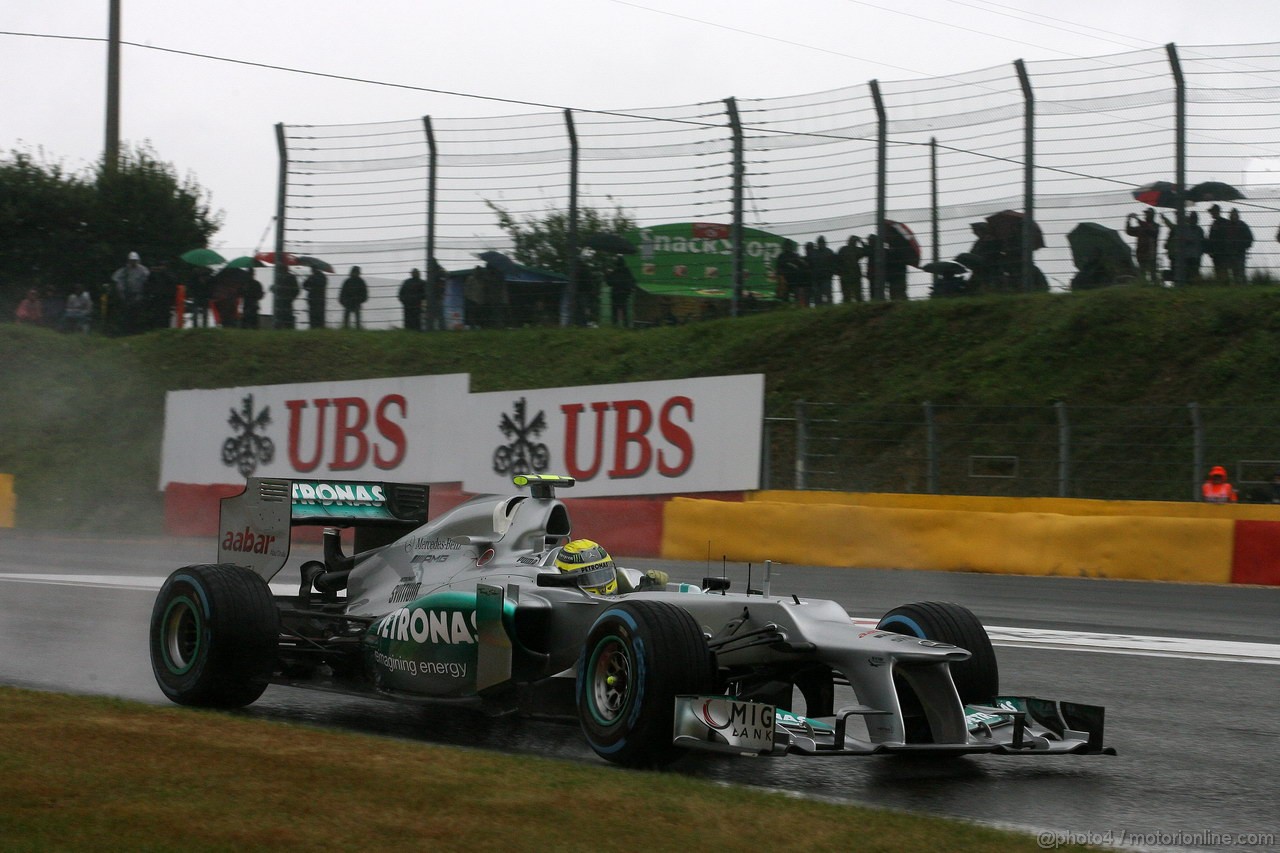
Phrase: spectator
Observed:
(436, 278)
(30, 309)
(1237, 242)
(621, 283)
(352, 295)
(225, 296)
(413, 291)
(1216, 489)
(129, 282)
(283, 292)
(160, 294)
(849, 269)
(200, 291)
(984, 260)
(810, 284)
(1190, 237)
(1146, 232)
(79, 310)
(495, 299)
(822, 266)
(251, 294)
(316, 285)
(52, 306)
(1216, 245)
(791, 273)
(473, 297)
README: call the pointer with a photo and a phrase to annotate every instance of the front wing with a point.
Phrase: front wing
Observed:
(1012, 725)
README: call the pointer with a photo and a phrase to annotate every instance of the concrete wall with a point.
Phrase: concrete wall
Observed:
(1027, 536)
(8, 500)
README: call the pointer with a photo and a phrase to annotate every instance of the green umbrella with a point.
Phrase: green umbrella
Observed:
(243, 262)
(202, 258)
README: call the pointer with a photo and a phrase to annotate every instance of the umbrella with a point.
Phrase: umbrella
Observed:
(1007, 225)
(269, 258)
(1157, 194)
(315, 263)
(945, 268)
(499, 261)
(202, 257)
(901, 237)
(1214, 191)
(243, 262)
(1092, 243)
(603, 241)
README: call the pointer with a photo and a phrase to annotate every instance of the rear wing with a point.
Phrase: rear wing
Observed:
(254, 527)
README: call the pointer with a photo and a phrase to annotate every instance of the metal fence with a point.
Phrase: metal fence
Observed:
(1064, 140)
(1103, 452)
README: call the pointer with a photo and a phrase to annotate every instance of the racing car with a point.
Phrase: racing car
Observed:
(470, 609)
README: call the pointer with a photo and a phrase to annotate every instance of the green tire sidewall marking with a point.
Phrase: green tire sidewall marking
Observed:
(168, 628)
(606, 643)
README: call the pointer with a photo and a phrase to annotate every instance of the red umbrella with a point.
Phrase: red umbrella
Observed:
(1007, 225)
(1157, 194)
(269, 258)
(901, 236)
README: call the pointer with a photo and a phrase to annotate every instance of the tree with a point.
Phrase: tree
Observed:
(543, 242)
(59, 228)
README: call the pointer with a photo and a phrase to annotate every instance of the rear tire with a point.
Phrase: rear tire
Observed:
(638, 656)
(214, 631)
(978, 678)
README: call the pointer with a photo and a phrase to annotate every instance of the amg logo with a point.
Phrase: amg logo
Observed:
(404, 592)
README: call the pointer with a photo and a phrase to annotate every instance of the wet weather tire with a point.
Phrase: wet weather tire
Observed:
(978, 678)
(638, 656)
(214, 631)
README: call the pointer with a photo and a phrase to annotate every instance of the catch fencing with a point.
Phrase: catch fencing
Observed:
(1066, 140)
(1100, 452)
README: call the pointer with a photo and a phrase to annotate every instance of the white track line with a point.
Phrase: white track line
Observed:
(1186, 648)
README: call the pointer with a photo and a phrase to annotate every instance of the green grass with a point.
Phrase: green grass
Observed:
(87, 773)
(81, 418)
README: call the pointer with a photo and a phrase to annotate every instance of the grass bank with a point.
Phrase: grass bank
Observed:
(85, 773)
(81, 417)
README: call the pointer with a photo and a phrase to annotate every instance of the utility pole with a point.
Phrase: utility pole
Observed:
(111, 150)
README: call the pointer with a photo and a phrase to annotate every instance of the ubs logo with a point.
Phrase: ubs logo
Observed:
(249, 447)
(523, 455)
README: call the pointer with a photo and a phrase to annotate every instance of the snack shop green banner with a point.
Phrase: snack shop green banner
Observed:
(695, 259)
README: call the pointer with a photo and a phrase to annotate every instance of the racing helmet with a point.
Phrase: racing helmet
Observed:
(591, 563)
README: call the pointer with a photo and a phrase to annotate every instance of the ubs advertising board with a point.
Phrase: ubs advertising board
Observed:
(637, 438)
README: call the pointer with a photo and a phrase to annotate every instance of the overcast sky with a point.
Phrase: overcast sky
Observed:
(214, 118)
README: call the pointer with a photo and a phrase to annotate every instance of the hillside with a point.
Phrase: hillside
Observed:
(81, 417)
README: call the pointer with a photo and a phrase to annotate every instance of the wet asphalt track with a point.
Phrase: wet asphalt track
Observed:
(1199, 739)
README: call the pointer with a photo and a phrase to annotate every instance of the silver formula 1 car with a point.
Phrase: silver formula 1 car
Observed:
(470, 609)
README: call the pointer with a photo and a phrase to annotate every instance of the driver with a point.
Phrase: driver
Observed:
(598, 573)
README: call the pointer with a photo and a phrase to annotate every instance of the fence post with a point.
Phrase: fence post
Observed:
(1028, 176)
(1179, 160)
(432, 277)
(802, 445)
(569, 302)
(930, 449)
(1064, 449)
(877, 282)
(766, 453)
(1197, 449)
(279, 269)
(933, 203)
(735, 232)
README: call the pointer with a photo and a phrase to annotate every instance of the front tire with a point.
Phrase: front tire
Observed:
(214, 631)
(638, 656)
(978, 678)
